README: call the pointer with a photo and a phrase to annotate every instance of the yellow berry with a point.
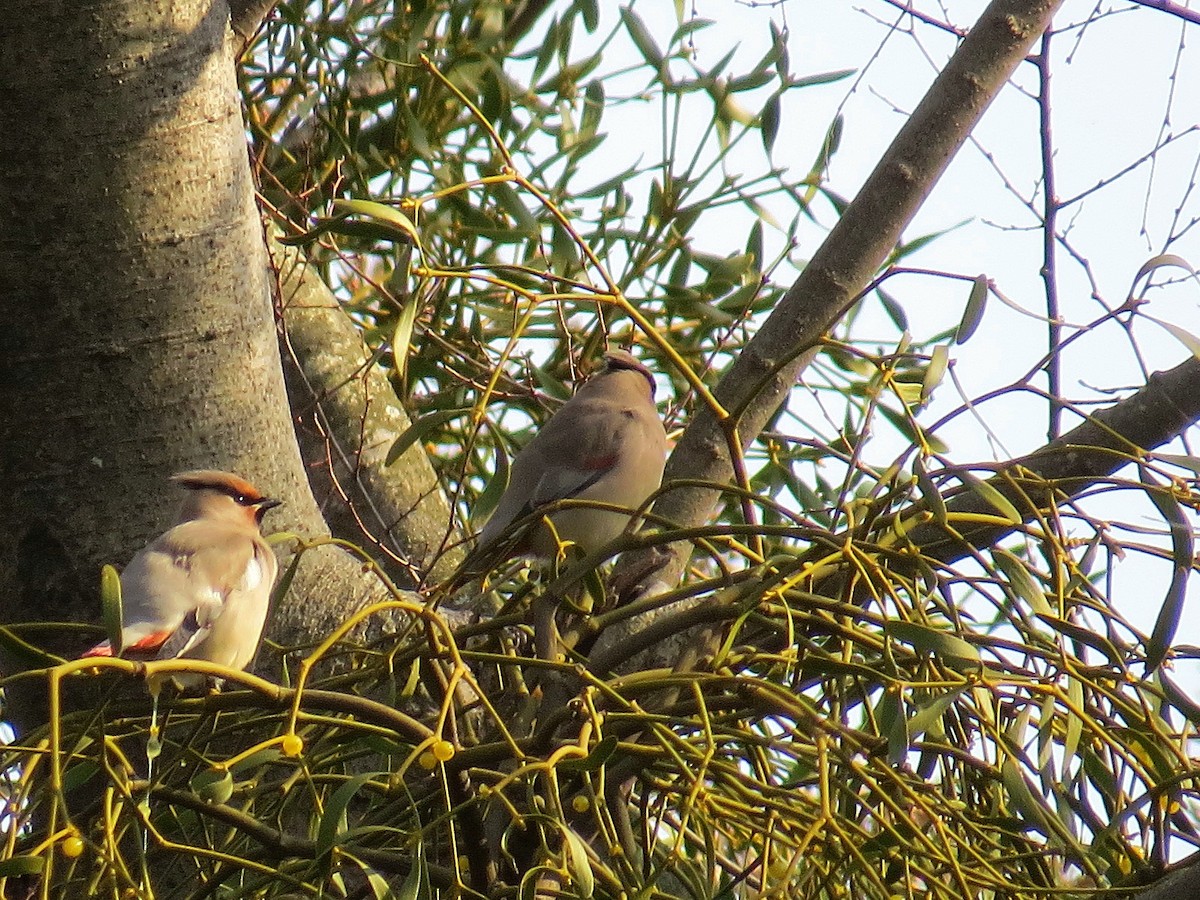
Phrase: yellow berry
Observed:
(72, 847)
(443, 751)
(580, 803)
(427, 760)
(292, 745)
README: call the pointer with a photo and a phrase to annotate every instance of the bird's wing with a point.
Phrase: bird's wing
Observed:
(173, 575)
(223, 573)
(572, 450)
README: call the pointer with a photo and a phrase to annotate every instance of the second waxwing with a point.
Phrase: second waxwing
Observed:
(607, 444)
(201, 589)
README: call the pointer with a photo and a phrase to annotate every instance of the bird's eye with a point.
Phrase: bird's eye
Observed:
(241, 500)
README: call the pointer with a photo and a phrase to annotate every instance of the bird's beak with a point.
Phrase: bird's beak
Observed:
(267, 503)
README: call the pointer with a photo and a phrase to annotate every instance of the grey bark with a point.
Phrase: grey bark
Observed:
(138, 336)
(764, 373)
(770, 365)
(348, 417)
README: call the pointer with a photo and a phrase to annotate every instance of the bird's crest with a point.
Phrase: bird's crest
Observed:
(233, 486)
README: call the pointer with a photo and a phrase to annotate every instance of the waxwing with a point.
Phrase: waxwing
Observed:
(201, 589)
(606, 444)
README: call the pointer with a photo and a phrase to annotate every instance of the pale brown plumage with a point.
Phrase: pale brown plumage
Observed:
(606, 444)
(201, 589)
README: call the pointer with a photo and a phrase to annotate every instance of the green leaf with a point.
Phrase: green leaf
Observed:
(213, 785)
(1085, 636)
(950, 648)
(15, 866)
(25, 655)
(1157, 262)
(577, 864)
(939, 362)
(642, 39)
(1022, 797)
(1182, 335)
(1182, 554)
(754, 244)
(112, 613)
(992, 497)
(930, 712)
(929, 492)
(893, 308)
(973, 313)
(1074, 726)
(891, 713)
(598, 756)
(1191, 463)
(495, 487)
(420, 428)
(769, 122)
(1020, 581)
(593, 107)
(333, 817)
(416, 884)
(402, 337)
(379, 212)
(590, 10)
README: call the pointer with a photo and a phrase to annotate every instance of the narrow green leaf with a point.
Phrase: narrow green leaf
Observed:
(598, 756)
(1074, 727)
(16, 866)
(1022, 798)
(930, 712)
(754, 244)
(973, 313)
(577, 864)
(379, 212)
(402, 337)
(333, 817)
(939, 362)
(642, 39)
(769, 122)
(420, 428)
(590, 10)
(1020, 581)
(1182, 554)
(691, 26)
(1085, 636)
(950, 648)
(822, 78)
(24, 656)
(893, 308)
(495, 487)
(929, 492)
(1182, 335)
(1191, 463)
(779, 41)
(212, 785)
(1157, 262)
(416, 884)
(593, 107)
(891, 714)
(112, 613)
(992, 497)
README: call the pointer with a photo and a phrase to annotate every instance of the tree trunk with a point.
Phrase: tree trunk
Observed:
(139, 336)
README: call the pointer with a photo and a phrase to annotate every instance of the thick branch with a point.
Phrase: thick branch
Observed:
(1159, 412)
(759, 381)
(347, 416)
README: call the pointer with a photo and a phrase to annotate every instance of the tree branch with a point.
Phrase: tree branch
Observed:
(347, 416)
(1160, 411)
(765, 371)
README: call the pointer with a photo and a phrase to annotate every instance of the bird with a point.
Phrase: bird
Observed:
(201, 589)
(607, 444)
